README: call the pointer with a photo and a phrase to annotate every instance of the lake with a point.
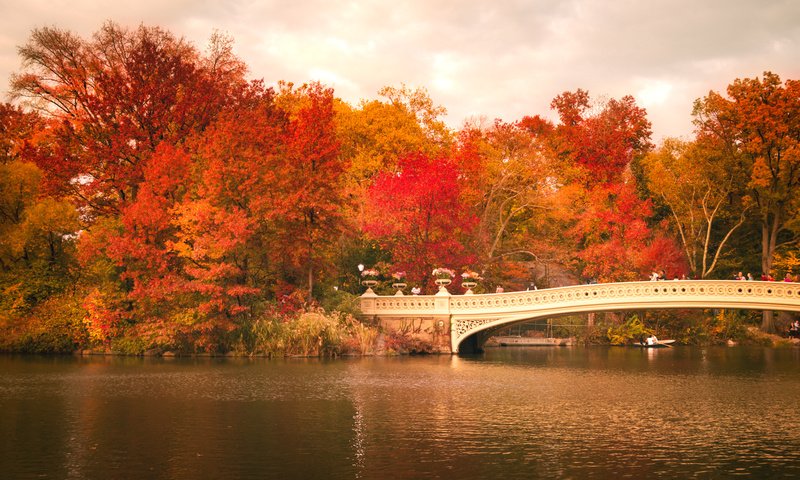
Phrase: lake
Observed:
(547, 412)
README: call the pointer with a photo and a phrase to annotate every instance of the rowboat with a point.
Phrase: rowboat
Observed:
(657, 344)
(517, 341)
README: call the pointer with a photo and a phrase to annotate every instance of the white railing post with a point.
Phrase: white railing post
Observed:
(369, 302)
(441, 303)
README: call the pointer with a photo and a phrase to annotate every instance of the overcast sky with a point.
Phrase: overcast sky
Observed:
(487, 58)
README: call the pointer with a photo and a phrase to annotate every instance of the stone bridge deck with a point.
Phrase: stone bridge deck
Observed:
(462, 316)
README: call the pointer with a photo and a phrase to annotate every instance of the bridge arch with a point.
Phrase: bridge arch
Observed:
(471, 314)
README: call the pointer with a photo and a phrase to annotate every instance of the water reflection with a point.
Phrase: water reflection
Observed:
(512, 412)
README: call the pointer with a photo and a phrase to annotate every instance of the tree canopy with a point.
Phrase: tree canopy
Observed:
(178, 201)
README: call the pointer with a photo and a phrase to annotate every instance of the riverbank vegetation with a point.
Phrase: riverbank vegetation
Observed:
(155, 199)
(686, 327)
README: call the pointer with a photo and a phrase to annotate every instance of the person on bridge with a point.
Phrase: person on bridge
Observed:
(499, 289)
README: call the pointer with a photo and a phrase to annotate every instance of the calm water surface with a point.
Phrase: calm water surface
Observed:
(512, 412)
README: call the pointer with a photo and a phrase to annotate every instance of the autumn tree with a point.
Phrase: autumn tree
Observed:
(312, 200)
(376, 133)
(701, 184)
(267, 207)
(227, 221)
(114, 99)
(609, 233)
(613, 239)
(416, 213)
(601, 139)
(119, 110)
(19, 131)
(760, 119)
(374, 136)
(506, 178)
(37, 236)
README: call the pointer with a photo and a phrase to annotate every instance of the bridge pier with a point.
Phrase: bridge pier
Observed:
(424, 319)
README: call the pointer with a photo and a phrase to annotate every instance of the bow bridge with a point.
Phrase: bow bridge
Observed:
(454, 323)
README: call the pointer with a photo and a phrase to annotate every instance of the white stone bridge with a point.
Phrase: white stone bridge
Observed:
(454, 323)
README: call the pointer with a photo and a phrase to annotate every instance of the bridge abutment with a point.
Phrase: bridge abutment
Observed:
(417, 333)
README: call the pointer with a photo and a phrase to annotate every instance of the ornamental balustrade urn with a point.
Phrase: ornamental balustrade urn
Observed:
(369, 283)
(443, 279)
(469, 285)
(399, 286)
(370, 279)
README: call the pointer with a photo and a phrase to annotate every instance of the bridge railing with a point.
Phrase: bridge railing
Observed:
(649, 294)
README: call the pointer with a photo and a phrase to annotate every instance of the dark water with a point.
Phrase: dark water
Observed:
(510, 413)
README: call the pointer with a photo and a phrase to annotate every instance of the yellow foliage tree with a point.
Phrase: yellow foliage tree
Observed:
(702, 185)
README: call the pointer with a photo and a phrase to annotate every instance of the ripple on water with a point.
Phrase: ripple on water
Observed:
(512, 413)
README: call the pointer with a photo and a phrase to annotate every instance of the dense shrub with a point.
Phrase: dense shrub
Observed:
(632, 329)
(53, 326)
(311, 333)
(342, 302)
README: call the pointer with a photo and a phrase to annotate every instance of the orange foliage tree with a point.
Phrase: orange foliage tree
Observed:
(760, 120)
(615, 241)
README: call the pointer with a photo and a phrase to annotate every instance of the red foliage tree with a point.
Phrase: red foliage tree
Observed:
(614, 240)
(417, 214)
(312, 199)
(603, 143)
(18, 133)
(113, 100)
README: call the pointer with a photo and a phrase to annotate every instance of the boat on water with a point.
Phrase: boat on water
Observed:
(655, 344)
(518, 341)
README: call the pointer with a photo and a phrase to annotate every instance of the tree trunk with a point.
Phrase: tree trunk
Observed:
(767, 317)
(768, 321)
(310, 271)
(311, 228)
